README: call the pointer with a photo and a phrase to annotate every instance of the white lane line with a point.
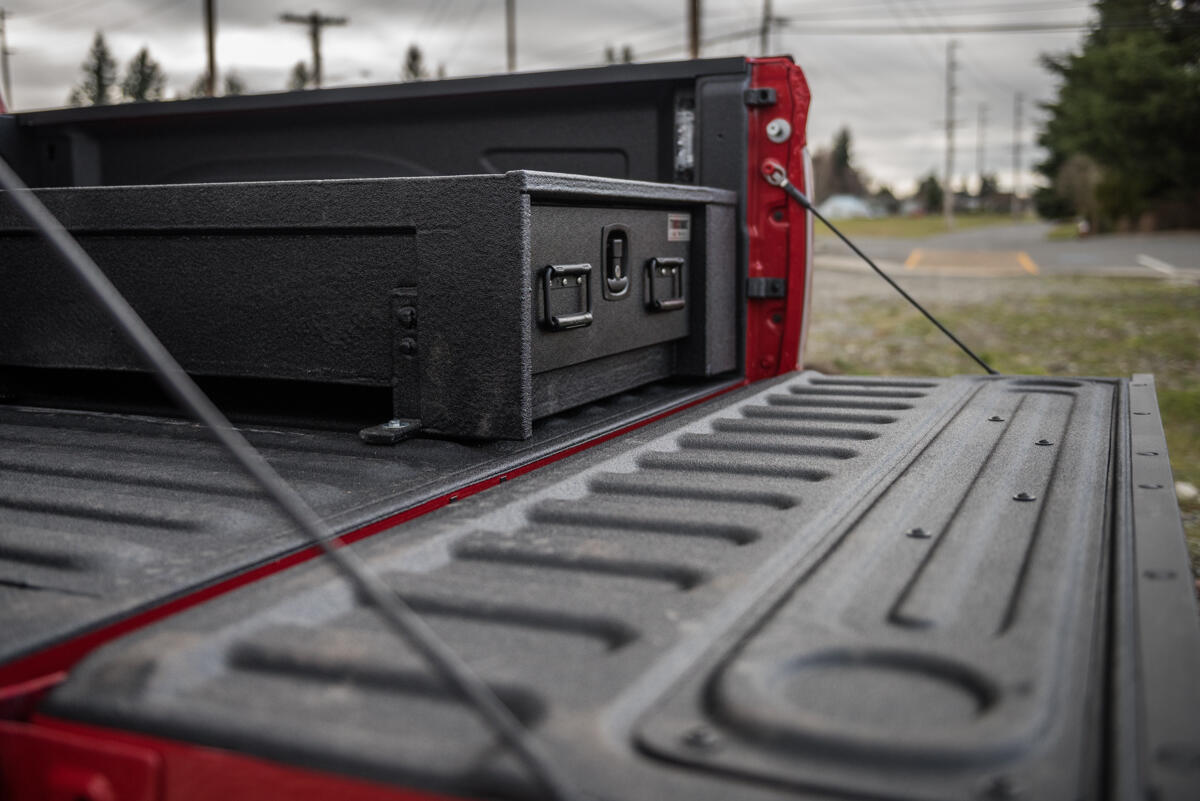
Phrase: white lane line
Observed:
(1155, 264)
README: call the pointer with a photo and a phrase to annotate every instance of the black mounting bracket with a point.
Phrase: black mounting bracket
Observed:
(766, 288)
(760, 97)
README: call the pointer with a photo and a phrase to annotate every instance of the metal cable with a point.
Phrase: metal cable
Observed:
(777, 176)
(395, 613)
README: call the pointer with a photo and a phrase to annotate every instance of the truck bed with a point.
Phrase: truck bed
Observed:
(813, 587)
(108, 515)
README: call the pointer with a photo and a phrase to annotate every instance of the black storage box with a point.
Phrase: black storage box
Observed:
(470, 303)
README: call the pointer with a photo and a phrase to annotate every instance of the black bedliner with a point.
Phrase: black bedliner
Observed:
(934, 589)
(105, 515)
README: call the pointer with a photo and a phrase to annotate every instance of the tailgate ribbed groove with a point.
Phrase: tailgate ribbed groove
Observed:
(787, 428)
(826, 391)
(683, 577)
(837, 403)
(731, 464)
(665, 486)
(777, 413)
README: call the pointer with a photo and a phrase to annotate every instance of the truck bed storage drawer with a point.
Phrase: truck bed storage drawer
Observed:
(472, 303)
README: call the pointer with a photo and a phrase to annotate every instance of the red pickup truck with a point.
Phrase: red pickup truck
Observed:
(718, 576)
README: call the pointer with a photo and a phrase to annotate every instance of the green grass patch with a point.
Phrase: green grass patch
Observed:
(1053, 326)
(911, 227)
(1063, 232)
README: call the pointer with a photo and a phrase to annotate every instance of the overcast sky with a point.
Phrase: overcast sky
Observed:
(888, 87)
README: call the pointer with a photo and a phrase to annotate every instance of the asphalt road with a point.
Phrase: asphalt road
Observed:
(1022, 249)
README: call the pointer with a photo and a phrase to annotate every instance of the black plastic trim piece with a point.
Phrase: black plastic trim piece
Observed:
(766, 288)
(760, 97)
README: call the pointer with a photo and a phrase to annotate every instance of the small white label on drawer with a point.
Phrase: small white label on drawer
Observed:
(679, 228)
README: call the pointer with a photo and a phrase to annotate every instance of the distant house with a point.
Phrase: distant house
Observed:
(841, 207)
(965, 202)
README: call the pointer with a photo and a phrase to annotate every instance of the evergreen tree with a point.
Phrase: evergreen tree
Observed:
(199, 87)
(144, 78)
(611, 56)
(414, 65)
(1130, 102)
(930, 193)
(234, 85)
(988, 186)
(841, 152)
(886, 199)
(844, 177)
(99, 76)
(300, 77)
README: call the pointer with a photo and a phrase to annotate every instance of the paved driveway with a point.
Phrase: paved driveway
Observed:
(1022, 249)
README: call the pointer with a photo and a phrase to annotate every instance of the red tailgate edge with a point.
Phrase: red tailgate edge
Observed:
(778, 230)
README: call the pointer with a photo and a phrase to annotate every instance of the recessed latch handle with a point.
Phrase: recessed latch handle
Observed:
(665, 280)
(569, 286)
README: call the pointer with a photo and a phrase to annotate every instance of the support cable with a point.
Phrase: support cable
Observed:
(776, 175)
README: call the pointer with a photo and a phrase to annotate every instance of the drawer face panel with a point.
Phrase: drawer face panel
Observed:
(634, 290)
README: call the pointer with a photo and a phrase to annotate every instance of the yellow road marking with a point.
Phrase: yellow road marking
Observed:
(913, 260)
(1027, 264)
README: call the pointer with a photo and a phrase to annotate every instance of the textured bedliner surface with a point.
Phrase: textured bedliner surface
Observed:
(827, 588)
(105, 515)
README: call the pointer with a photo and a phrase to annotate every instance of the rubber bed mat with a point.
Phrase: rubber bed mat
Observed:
(107, 515)
(827, 588)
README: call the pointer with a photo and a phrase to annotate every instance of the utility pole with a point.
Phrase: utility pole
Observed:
(510, 32)
(4, 54)
(1016, 181)
(315, 23)
(980, 139)
(694, 28)
(764, 33)
(948, 189)
(210, 33)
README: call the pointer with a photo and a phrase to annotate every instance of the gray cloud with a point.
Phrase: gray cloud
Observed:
(889, 90)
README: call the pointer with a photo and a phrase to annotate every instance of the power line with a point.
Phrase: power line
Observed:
(865, 30)
(857, 11)
(134, 20)
(918, 44)
(1021, 27)
(469, 25)
(54, 12)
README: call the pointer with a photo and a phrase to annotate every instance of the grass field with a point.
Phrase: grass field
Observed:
(1052, 326)
(911, 227)
(1061, 232)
